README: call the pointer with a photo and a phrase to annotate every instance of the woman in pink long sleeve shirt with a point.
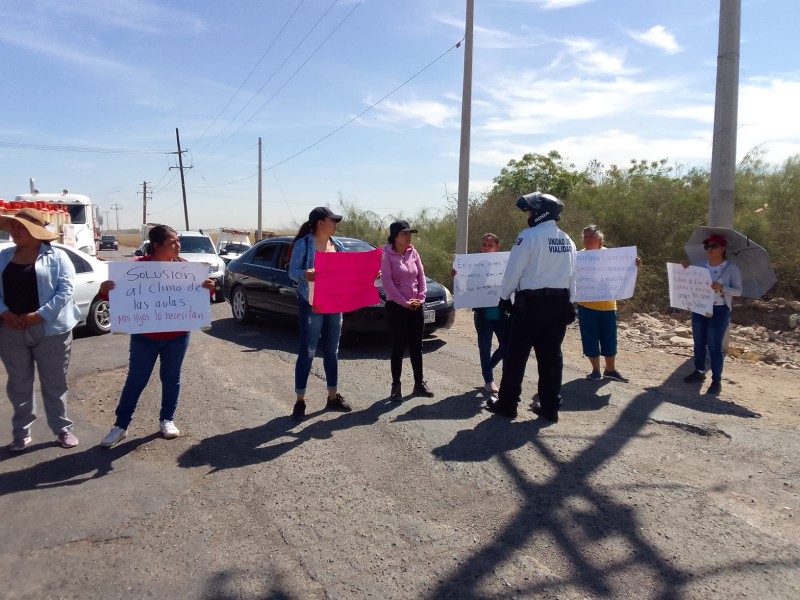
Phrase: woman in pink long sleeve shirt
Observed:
(403, 278)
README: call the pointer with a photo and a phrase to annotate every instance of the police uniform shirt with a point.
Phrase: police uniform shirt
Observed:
(542, 257)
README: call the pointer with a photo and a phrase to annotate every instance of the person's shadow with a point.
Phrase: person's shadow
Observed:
(246, 447)
(69, 469)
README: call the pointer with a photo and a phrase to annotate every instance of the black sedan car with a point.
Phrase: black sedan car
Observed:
(109, 242)
(258, 282)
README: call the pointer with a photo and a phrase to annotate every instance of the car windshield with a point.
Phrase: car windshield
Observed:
(109, 238)
(77, 213)
(196, 244)
(352, 245)
(234, 248)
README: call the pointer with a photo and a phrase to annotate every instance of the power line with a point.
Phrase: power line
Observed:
(21, 146)
(239, 89)
(275, 72)
(358, 116)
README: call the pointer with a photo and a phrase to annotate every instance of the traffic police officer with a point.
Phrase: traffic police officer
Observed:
(541, 275)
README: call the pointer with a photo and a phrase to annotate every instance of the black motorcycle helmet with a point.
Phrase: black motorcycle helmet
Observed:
(543, 207)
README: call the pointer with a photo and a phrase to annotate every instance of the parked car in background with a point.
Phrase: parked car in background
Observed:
(90, 272)
(109, 242)
(197, 246)
(258, 283)
(232, 243)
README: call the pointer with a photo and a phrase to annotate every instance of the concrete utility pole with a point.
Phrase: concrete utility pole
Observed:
(722, 199)
(259, 228)
(466, 119)
(116, 208)
(144, 203)
(183, 181)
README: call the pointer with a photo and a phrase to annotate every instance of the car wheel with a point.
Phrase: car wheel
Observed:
(239, 306)
(98, 320)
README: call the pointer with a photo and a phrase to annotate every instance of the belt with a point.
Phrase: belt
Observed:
(543, 292)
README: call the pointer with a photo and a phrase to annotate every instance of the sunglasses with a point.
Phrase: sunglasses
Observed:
(710, 246)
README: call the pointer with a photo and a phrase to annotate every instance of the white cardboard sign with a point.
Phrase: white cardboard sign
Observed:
(478, 279)
(607, 274)
(690, 289)
(151, 296)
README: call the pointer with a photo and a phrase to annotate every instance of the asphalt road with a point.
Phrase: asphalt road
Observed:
(636, 493)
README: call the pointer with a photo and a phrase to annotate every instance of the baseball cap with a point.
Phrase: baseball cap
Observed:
(400, 227)
(321, 213)
(716, 239)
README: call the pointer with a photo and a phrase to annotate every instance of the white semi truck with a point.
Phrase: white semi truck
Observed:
(81, 230)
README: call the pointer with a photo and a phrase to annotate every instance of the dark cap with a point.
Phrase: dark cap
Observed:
(321, 213)
(716, 239)
(400, 227)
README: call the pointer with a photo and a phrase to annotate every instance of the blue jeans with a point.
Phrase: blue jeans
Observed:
(313, 328)
(598, 332)
(143, 354)
(708, 333)
(486, 329)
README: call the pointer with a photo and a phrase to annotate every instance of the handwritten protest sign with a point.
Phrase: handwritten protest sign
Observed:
(690, 289)
(345, 281)
(608, 274)
(158, 296)
(478, 279)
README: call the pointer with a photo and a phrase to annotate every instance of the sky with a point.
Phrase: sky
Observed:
(360, 100)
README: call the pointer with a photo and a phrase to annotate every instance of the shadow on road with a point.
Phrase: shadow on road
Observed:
(73, 468)
(569, 508)
(261, 444)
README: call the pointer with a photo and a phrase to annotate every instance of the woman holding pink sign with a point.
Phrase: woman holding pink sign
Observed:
(315, 235)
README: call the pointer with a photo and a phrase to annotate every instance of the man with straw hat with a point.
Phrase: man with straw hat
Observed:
(37, 314)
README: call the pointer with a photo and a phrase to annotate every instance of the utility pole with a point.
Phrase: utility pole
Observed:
(183, 181)
(144, 203)
(722, 198)
(108, 215)
(259, 229)
(466, 119)
(116, 208)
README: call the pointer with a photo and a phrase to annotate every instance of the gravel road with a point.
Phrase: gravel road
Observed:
(643, 490)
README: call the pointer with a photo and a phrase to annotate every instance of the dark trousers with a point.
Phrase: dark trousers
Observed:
(539, 323)
(406, 328)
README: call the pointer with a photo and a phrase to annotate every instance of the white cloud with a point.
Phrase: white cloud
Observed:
(491, 38)
(768, 115)
(658, 37)
(553, 4)
(137, 15)
(48, 46)
(416, 113)
(703, 113)
(531, 105)
(591, 59)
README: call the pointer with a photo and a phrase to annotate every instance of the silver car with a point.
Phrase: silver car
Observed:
(197, 246)
(90, 272)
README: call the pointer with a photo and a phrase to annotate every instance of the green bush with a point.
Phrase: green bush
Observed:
(654, 206)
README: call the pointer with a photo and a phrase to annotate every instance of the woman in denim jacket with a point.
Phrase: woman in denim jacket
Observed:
(315, 235)
(37, 314)
(708, 332)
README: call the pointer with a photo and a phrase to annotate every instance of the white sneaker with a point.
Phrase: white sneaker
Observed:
(117, 434)
(168, 430)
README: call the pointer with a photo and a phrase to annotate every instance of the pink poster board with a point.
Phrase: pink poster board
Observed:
(345, 281)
